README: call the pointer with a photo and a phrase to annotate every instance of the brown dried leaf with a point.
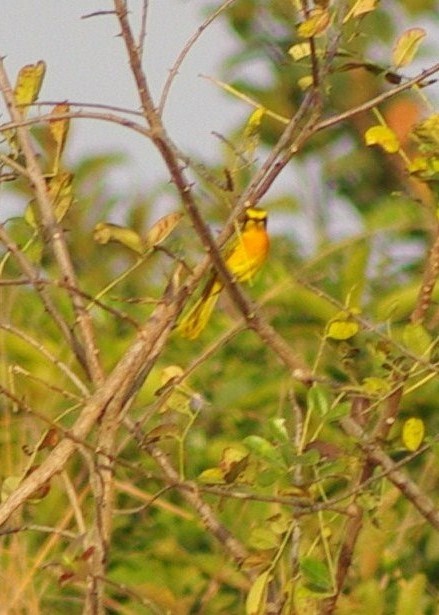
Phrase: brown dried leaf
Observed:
(161, 229)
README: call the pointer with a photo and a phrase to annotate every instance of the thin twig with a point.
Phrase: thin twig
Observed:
(33, 275)
(48, 355)
(377, 100)
(184, 52)
(77, 115)
(142, 33)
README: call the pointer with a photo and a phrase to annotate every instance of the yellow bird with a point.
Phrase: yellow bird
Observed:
(243, 259)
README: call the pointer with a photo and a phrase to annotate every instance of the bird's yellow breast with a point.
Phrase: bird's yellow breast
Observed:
(250, 251)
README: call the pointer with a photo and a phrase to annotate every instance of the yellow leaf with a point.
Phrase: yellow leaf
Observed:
(305, 601)
(105, 232)
(384, 137)
(59, 189)
(257, 596)
(305, 82)
(28, 84)
(31, 214)
(417, 165)
(9, 485)
(61, 193)
(170, 373)
(361, 7)
(426, 133)
(300, 51)
(373, 385)
(166, 431)
(233, 463)
(411, 594)
(406, 46)
(254, 123)
(212, 476)
(413, 433)
(161, 229)
(315, 25)
(59, 128)
(342, 329)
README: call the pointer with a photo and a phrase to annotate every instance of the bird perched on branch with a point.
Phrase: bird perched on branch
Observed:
(243, 256)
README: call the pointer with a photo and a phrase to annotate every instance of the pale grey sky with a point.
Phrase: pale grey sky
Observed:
(87, 62)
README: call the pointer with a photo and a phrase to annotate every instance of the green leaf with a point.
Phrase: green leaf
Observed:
(407, 46)
(309, 458)
(264, 449)
(263, 538)
(342, 329)
(309, 305)
(353, 275)
(398, 304)
(315, 574)
(277, 426)
(338, 411)
(318, 400)
(417, 339)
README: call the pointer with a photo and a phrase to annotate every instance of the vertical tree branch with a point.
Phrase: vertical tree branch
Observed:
(429, 280)
(54, 232)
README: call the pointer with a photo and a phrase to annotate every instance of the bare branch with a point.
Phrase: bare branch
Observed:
(375, 454)
(54, 231)
(429, 280)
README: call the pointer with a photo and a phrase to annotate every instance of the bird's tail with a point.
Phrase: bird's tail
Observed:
(198, 316)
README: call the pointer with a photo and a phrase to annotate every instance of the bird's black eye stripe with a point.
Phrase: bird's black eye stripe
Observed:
(256, 215)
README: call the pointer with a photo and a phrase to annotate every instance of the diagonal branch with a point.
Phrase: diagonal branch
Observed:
(377, 457)
(113, 393)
